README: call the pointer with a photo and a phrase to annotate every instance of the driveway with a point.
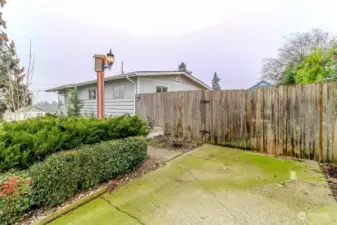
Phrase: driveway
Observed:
(216, 185)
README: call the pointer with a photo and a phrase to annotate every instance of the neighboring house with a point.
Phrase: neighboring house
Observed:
(25, 113)
(120, 91)
(262, 83)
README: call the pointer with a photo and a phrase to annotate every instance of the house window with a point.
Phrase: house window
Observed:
(119, 91)
(92, 93)
(161, 88)
(39, 114)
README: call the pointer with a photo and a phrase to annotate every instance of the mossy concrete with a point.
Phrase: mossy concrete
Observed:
(217, 185)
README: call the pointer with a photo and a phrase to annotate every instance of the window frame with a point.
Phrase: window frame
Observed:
(161, 85)
(113, 91)
(91, 89)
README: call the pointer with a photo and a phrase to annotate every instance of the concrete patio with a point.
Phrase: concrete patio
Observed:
(216, 185)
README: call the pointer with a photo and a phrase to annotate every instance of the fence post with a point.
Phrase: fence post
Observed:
(320, 122)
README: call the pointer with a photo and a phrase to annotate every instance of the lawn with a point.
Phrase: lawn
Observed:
(216, 185)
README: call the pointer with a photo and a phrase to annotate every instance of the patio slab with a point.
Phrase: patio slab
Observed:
(217, 185)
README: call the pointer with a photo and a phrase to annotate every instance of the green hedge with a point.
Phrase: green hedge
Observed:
(24, 142)
(61, 175)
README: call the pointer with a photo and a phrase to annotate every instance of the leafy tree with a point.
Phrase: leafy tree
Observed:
(289, 76)
(294, 50)
(183, 68)
(319, 66)
(215, 82)
(14, 80)
(75, 103)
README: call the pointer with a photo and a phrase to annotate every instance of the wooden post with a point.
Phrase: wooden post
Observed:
(320, 122)
(100, 95)
(99, 62)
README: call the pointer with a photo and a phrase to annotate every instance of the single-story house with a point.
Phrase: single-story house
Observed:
(262, 83)
(120, 91)
(25, 113)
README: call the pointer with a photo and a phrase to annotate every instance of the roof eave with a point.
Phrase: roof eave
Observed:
(131, 74)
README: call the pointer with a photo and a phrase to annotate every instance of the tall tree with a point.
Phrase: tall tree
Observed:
(295, 48)
(319, 66)
(14, 79)
(183, 68)
(216, 82)
(75, 103)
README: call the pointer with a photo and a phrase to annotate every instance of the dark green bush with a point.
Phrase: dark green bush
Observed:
(15, 197)
(61, 175)
(55, 179)
(24, 142)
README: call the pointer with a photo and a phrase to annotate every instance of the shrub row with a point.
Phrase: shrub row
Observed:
(24, 142)
(61, 175)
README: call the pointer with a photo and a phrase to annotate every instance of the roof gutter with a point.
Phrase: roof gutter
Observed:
(127, 77)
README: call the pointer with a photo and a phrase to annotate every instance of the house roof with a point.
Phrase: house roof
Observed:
(261, 84)
(28, 108)
(132, 74)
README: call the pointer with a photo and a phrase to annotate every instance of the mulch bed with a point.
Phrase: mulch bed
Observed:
(331, 176)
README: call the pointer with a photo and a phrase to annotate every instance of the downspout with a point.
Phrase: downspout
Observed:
(134, 90)
(127, 77)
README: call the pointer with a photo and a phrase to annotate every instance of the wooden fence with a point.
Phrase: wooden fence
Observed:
(298, 120)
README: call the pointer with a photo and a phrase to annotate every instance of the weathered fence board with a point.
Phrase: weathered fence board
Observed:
(281, 120)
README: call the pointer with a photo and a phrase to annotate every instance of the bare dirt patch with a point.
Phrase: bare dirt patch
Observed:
(331, 176)
(174, 143)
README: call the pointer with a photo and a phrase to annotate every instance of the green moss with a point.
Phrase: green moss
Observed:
(188, 180)
(97, 211)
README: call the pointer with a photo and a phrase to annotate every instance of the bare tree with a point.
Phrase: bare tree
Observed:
(16, 85)
(295, 48)
(15, 81)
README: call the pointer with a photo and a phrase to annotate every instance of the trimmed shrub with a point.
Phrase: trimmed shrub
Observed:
(22, 143)
(15, 197)
(55, 179)
(60, 176)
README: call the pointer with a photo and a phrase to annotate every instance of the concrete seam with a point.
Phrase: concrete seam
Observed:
(122, 211)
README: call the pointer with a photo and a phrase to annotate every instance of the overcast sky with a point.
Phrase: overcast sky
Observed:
(227, 37)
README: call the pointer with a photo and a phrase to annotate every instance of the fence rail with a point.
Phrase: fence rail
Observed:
(298, 120)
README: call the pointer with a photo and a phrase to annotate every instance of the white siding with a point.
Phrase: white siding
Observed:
(129, 88)
(108, 89)
(112, 107)
(148, 84)
(115, 107)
